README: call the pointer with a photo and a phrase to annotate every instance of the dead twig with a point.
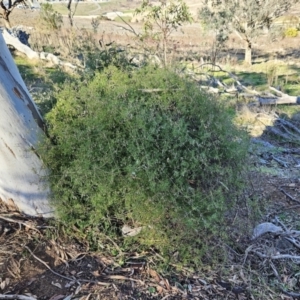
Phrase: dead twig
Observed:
(65, 277)
(121, 277)
(291, 207)
(17, 297)
(130, 29)
(246, 254)
(279, 161)
(281, 224)
(279, 256)
(275, 271)
(18, 222)
(293, 241)
(42, 262)
(288, 195)
(291, 294)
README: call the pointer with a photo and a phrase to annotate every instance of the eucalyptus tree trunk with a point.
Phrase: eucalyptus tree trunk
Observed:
(23, 184)
(5, 16)
(248, 53)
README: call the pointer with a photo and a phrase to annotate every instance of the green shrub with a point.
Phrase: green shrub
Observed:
(144, 148)
(98, 55)
(291, 32)
(50, 17)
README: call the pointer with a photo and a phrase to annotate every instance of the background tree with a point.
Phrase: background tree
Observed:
(72, 10)
(22, 175)
(247, 18)
(52, 18)
(162, 19)
(7, 7)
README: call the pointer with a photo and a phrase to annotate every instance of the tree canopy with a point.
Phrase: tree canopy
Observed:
(246, 18)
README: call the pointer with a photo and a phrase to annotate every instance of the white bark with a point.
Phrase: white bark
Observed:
(13, 41)
(22, 175)
(282, 99)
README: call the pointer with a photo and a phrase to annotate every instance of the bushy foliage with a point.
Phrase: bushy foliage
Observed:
(144, 148)
(247, 18)
(98, 55)
(50, 17)
(291, 32)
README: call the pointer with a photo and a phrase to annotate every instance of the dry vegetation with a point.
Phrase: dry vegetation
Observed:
(38, 259)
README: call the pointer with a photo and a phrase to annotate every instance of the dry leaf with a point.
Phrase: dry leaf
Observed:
(128, 231)
(154, 275)
(14, 268)
(57, 297)
(120, 277)
(96, 273)
(167, 284)
(31, 281)
(77, 289)
(2, 285)
(56, 284)
(159, 289)
(69, 284)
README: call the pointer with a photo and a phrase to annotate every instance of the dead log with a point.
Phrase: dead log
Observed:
(15, 42)
(216, 86)
(282, 99)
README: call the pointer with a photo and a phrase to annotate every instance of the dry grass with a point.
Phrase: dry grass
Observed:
(254, 122)
(82, 9)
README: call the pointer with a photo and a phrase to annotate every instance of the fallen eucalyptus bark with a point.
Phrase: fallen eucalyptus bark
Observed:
(287, 131)
(216, 86)
(282, 99)
(15, 42)
(266, 227)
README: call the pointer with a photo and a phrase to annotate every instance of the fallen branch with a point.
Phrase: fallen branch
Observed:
(279, 256)
(15, 42)
(275, 131)
(279, 161)
(283, 122)
(263, 99)
(42, 262)
(62, 276)
(18, 222)
(293, 241)
(288, 195)
(291, 294)
(282, 99)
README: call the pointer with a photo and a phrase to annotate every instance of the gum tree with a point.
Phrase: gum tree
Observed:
(162, 18)
(22, 184)
(246, 18)
(6, 8)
